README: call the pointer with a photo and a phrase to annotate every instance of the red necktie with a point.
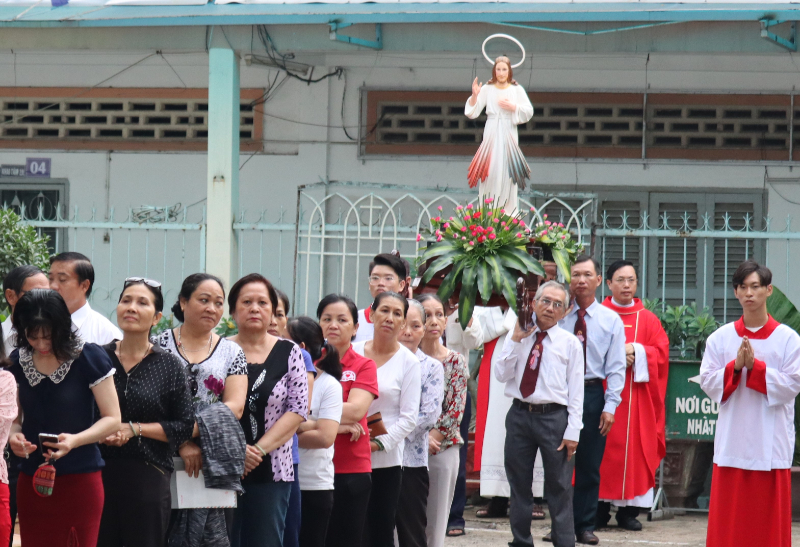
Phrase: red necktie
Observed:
(580, 332)
(531, 374)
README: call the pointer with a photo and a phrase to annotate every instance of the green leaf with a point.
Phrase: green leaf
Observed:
(533, 265)
(439, 264)
(469, 289)
(512, 261)
(561, 258)
(782, 309)
(485, 281)
(497, 276)
(438, 249)
(450, 281)
(510, 288)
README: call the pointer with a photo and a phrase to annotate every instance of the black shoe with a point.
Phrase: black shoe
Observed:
(587, 537)
(548, 537)
(629, 523)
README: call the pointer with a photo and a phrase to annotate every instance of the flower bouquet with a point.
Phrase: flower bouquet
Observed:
(558, 241)
(484, 249)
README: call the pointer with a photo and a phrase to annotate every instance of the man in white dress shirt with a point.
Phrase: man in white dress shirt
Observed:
(602, 336)
(16, 283)
(387, 273)
(543, 372)
(72, 276)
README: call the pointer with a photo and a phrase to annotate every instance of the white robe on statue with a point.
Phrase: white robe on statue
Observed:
(493, 471)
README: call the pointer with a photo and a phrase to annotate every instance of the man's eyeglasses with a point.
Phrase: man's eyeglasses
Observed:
(375, 279)
(623, 280)
(546, 302)
(149, 282)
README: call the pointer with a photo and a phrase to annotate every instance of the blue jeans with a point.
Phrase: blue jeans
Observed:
(291, 536)
(260, 515)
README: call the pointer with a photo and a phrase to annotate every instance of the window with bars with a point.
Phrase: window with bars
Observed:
(683, 269)
(120, 119)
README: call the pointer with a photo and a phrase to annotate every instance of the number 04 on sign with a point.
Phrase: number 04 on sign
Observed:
(37, 167)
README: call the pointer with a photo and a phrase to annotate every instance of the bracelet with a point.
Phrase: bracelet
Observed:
(379, 443)
(133, 429)
(258, 446)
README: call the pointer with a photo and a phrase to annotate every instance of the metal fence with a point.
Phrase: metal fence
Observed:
(325, 245)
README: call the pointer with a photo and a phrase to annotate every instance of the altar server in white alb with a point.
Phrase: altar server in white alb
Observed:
(752, 368)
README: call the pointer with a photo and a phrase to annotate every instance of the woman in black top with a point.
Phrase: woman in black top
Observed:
(157, 418)
(277, 402)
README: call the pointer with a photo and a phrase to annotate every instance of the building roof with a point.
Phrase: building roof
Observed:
(112, 13)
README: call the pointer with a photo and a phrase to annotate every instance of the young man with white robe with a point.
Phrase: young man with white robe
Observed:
(751, 367)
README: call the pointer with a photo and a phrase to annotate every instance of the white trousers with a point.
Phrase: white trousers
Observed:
(442, 472)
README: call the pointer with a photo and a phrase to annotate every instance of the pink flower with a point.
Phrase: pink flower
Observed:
(492, 236)
(439, 207)
(489, 229)
(503, 211)
(438, 239)
(533, 209)
(481, 239)
(477, 215)
(496, 220)
(446, 225)
(419, 238)
(506, 228)
(519, 234)
(469, 206)
(488, 200)
(451, 219)
(438, 219)
(563, 237)
(503, 223)
(472, 243)
(545, 216)
(547, 222)
(462, 238)
(463, 228)
(214, 386)
(455, 236)
(560, 225)
(515, 221)
(459, 208)
(522, 223)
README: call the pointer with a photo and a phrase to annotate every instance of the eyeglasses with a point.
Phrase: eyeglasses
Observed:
(149, 282)
(375, 279)
(546, 302)
(623, 280)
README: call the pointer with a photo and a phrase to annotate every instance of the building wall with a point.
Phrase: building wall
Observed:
(303, 139)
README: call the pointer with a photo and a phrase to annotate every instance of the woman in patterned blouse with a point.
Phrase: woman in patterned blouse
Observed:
(277, 402)
(444, 439)
(217, 370)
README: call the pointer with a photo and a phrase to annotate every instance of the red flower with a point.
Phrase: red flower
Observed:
(214, 386)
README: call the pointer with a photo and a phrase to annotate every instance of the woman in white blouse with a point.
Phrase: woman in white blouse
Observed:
(398, 404)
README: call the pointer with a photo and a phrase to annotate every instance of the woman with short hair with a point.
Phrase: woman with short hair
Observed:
(63, 382)
(398, 405)
(352, 481)
(277, 402)
(157, 418)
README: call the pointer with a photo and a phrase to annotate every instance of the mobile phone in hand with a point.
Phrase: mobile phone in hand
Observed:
(47, 438)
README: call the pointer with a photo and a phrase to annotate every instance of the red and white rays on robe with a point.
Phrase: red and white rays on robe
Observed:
(499, 166)
(754, 440)
(636, 444)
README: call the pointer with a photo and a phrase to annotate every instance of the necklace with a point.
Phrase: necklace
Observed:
(130, 372)
(187, 350)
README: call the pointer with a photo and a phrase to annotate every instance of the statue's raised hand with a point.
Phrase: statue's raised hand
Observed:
(476, 88)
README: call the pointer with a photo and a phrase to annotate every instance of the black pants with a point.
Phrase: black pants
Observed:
(350, 501)
(591, 447)
(527, 433)
(12, 464)
(460, 493)
(382, 510)
(412, 516)
(623, 513)
(315, 513)
(137, 504)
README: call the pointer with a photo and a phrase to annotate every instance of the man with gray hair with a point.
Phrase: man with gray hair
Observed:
(543, 373)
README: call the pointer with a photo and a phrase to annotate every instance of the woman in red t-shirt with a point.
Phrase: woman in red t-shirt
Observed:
(352, 461)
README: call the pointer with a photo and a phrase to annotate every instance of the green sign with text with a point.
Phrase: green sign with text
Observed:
(691, 414)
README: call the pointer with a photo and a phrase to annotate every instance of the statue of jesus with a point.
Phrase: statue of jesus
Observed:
(499, 165)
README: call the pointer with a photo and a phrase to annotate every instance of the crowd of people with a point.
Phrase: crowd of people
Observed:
(349, 429)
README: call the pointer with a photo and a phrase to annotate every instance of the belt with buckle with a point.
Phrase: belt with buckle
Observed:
(593, 382)
(537, 409)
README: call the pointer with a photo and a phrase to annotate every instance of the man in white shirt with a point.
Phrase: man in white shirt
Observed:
(16, 283)
(72, 276)
(543, 372)
(387, 272)
(751, 368)
(602, 336)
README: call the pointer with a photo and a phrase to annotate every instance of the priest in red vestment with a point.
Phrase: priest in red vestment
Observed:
(752, 368)
(636, 444)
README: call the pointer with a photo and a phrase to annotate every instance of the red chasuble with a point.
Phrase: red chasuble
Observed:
(636, 443)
